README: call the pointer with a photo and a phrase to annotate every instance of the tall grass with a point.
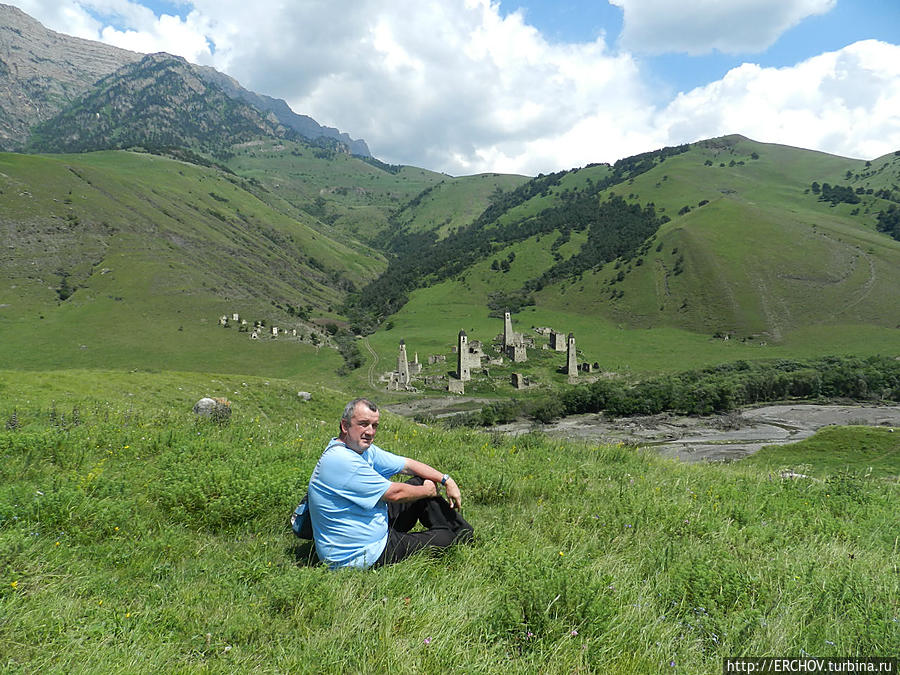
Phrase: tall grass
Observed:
(152, 542)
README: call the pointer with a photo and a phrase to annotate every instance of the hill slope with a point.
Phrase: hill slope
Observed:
(727, 237)
(141, 251)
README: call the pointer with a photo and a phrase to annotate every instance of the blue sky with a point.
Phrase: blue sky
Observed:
(567, 21)
(527, 86)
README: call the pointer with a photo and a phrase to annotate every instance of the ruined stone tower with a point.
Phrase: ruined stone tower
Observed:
(557, 341)
(462, 357)
(509, 337)
(513, 343)
(402, 365)
(571, 360)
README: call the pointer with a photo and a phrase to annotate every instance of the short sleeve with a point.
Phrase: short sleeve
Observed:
(386, 463)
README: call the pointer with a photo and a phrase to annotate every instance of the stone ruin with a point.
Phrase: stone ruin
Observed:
(401, 379)
(259, 331)
(468, 357)
(571, 360)
(514, 345)
(472, 360)
(558, 341)
(519, 381)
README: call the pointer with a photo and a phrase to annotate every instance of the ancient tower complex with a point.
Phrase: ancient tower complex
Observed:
(571, 360)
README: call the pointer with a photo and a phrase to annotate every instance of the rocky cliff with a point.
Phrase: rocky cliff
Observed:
(42, 71)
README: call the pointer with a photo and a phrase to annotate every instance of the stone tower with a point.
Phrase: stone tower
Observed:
(462, 357)
(509, 337)
(571, 360)
(403, 365)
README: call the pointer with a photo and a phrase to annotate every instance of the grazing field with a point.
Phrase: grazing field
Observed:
(136, 538)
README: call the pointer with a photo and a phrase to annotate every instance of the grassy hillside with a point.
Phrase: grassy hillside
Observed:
(762, 256)
(135, 538)
(750, 252)
(836, 452)
(352, 195)
(453, 203)
(119, 259)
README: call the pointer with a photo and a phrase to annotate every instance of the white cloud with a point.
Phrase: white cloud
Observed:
(701, 26)
(63, 17)
(184, 37)
(457, 87)
(450, 86)
(844, 102)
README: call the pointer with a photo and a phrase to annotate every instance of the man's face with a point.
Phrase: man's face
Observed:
(358, 435)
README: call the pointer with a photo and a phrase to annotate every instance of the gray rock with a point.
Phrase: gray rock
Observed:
(219, 409)
(205, 406)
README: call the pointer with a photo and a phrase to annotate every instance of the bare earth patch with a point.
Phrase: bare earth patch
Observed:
(716, 438)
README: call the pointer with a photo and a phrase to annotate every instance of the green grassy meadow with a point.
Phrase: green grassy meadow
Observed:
(836, 451)
(136, 538)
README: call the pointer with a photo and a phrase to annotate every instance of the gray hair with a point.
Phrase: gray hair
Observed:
(350, 408)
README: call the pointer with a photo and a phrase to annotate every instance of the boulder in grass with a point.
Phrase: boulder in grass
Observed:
(304, 395)
(218, 409)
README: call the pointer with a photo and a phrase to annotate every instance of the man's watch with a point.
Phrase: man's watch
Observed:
(444, 479)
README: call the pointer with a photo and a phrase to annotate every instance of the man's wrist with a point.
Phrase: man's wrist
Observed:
(445, 478)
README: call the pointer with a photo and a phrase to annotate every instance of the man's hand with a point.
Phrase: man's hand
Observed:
(453, 494)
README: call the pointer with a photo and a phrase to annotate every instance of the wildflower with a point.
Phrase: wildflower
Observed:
(573, 633)
(829, 642)
(116, 528)
(529, 634)
(57, 544)
(427, 641)
(14, 584)
(561, 553)
(672, 663)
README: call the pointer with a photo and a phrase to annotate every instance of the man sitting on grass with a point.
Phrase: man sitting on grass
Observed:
(362, 519)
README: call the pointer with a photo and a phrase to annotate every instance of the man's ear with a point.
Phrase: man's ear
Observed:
(344, 427)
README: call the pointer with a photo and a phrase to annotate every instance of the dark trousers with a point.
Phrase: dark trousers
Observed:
(443, 527)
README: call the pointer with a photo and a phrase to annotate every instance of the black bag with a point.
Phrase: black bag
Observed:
(300, 520)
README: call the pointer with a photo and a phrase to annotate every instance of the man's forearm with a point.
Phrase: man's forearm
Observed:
(414, 467)
(404, 492)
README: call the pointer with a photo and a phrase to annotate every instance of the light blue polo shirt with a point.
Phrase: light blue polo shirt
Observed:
(349, 519)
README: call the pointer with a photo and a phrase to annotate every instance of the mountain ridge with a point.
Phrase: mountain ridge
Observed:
(42, 72)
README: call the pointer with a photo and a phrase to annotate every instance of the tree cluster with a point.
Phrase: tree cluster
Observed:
(420, 260)
(718, 389)
(835, 194)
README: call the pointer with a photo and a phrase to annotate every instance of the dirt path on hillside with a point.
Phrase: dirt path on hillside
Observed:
(374, 364)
